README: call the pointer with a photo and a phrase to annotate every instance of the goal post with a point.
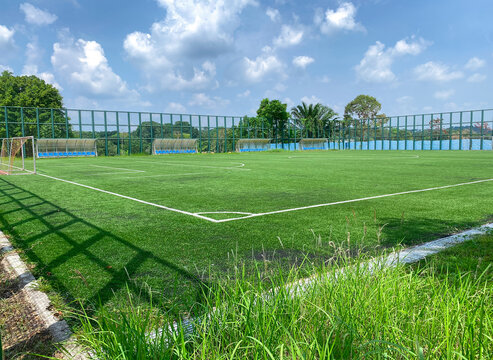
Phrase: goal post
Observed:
(17, 156)
(252, 145)
(59, 148)
(313, 144)
(174, 146)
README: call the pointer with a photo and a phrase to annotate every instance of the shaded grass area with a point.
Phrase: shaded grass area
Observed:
(89, 245)
(437, 309)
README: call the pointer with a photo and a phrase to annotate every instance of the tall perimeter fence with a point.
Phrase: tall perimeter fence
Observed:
(125, 132)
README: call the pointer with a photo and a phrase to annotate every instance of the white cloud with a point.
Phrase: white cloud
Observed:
(433, 71)
(273, 14)
(410, 46)
(36, 16)
(476, 77)
(263, 66)
(341, 19)
(288, 102)
(173, 54)
(84, 66)
(311, 100)
(325, 79)
(302, 61)
(280, 87)
(244, 94)
(206, 101)
(6, 37)
(175, 107)
(289, 36)
(376, 65)
(33, 57)
(404, 99)
(5, 68)
(444, 94)
(475, 64)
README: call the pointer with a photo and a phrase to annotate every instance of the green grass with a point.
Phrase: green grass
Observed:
(88, 244)
(474, 256)
(409, 312)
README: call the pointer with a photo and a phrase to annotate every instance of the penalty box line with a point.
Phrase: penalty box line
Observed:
(132, 198)
(199, 216)
(353, 200)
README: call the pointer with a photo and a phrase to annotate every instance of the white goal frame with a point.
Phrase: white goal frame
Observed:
(9, 153)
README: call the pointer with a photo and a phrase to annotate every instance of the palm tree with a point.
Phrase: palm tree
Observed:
(313, 118)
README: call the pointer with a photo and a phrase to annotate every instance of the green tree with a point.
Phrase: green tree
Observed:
(253, 127)
(275, 113)
(31, 92)
(363, 107)
(313, 118)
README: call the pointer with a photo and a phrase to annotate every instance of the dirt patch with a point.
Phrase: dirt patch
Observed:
(23, 332)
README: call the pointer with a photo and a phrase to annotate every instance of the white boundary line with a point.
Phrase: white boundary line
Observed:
(252, 215)
(359, 157)
(117, 168)
(131, 198)
(225, 212)
(193, 165)
(354, 200)
(164, 175)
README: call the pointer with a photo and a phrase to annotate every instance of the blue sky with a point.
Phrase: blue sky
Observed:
(223, 57)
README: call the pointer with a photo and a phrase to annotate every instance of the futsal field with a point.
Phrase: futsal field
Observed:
(92, 224)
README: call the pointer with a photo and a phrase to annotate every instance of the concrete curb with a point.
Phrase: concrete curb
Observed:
(58, 329)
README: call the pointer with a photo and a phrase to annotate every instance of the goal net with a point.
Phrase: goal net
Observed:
(248, 145)
(57, 148)
(17, 156)
(313, 144)
(174, 146)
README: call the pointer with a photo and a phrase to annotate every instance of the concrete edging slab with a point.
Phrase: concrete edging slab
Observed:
(59, 329)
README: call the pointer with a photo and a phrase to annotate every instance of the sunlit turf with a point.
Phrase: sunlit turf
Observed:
(88, 244)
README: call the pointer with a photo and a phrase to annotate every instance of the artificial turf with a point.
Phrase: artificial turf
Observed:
(89, 244)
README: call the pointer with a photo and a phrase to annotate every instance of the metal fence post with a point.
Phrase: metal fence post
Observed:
(6, 122)
(482, 130)
(117, 134)
(105, 134)
(38, 131)
(460, 130)
(200, 133)
(52, 124)
(129, 135)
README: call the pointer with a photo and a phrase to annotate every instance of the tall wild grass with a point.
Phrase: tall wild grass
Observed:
(388, 313)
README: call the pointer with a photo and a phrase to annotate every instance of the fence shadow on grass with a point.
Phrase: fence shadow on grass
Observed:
(38, 213)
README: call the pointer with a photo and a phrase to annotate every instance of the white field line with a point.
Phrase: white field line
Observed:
(110, 173)
(193, 165)
(224, 212)
(358, 157)
(354, 200)
(117, 168)
(165, 175)
(131, 198)
(252, 215)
